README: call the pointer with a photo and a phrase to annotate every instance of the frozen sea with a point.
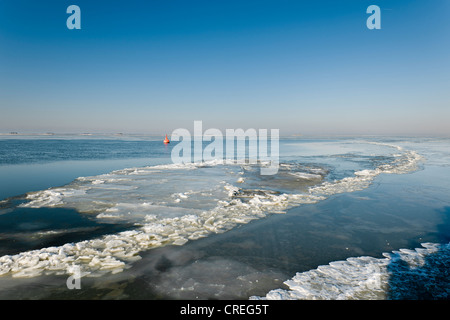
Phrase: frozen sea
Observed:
(344, 218)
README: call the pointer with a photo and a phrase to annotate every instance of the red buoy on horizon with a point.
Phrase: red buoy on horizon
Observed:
(166, 140)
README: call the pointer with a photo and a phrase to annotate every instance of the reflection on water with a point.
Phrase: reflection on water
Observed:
(23, 229)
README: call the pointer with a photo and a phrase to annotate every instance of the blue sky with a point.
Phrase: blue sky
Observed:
(304, 67)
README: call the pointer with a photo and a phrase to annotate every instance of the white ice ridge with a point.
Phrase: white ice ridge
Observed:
(165, 219)
(367, 278)
(112, 253)
(405, 162)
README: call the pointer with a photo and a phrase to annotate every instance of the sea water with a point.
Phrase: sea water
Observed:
(344, 218)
